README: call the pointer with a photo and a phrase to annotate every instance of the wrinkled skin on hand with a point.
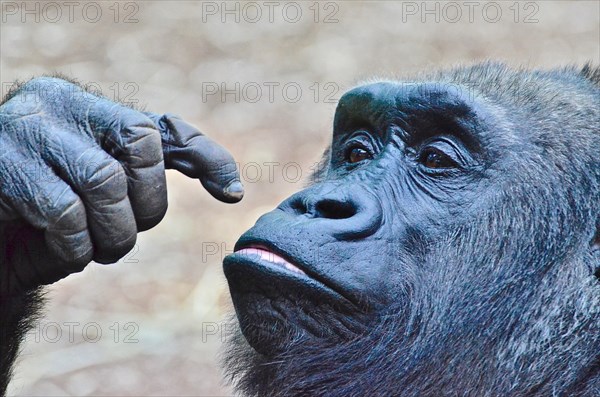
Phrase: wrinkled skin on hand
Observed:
(82, 175)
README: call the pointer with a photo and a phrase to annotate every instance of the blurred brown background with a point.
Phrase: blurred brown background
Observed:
(151, 324)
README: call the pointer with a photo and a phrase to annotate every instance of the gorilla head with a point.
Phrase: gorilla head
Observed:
(448, 247)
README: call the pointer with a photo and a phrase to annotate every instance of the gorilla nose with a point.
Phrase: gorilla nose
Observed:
(345, 213)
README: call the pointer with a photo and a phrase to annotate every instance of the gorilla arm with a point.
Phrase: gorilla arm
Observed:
(80, 176)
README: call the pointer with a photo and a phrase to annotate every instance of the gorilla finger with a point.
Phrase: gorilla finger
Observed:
(132, 138)
(189, 151)
(102, 184)
(47, 203)
(43, 268)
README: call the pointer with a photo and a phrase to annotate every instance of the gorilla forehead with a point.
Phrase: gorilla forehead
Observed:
(417, 111)
(508, 117)
(381, 100)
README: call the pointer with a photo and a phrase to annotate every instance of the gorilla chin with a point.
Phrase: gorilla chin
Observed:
(449, 246)
(278, 302)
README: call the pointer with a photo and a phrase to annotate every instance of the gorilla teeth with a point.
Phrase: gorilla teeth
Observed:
(271, 257)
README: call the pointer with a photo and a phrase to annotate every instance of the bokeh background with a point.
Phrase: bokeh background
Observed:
(152, 323)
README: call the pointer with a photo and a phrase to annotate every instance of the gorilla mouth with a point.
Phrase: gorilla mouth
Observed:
(276, 298)
(270, 257)
(257, 265)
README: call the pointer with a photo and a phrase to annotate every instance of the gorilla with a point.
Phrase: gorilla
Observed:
(449, 245)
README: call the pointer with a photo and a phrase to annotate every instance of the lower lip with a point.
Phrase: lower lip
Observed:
(270, 257)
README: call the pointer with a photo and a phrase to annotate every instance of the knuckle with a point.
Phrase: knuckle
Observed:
(76, 255)
(66, 212)
(142, 143)
(70, 242)
(116, 251)
(144, 147)
(109, 177)
(49, 89)
(224, 168)
(135, 123)
(79, 261)
(180, 133)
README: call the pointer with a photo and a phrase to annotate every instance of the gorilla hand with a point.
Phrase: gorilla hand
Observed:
(81, 175)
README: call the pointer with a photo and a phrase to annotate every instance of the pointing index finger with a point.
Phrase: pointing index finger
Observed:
(195, 155)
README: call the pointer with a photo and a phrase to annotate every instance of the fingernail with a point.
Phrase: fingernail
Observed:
(234, 190)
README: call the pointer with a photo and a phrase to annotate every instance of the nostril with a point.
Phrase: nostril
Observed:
(333, 209)
(337, 211)
(298, 207)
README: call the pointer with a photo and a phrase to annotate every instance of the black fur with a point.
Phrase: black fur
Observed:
(18, 313)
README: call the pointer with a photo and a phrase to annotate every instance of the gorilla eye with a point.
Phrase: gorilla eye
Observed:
(433, 158)
(356, 154)
(440, 155)
(359, 147)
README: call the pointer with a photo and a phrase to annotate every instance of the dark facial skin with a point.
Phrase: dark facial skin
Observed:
(358, 233)
(445, 220)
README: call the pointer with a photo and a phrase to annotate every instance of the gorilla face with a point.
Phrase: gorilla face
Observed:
(351, 244)
(437, 247)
